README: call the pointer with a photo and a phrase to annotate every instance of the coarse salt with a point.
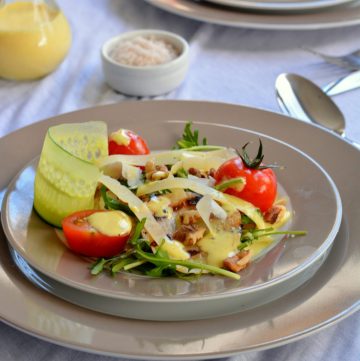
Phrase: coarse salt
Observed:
(144, 51)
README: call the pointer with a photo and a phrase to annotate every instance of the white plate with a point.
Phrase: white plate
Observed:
(287, 319)
(280, 5)
(341, 16)
(316, 206)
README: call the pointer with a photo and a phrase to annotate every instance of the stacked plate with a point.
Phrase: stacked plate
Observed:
(280, 5)
(45, 261)
(268, 14)
(266, 304)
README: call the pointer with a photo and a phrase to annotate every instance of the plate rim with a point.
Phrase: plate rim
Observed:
(280, 5)
(232, 293)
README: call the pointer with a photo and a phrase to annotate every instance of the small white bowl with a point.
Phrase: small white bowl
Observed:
(146, 80)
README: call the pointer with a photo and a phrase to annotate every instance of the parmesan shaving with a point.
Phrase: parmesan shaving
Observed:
(227, 200)
(207, 206)
(168, 157)
(209, 182)
(132, 175)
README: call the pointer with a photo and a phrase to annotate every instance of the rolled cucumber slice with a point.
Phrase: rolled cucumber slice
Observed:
(66, 178)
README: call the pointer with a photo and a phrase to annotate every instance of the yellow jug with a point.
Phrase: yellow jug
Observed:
(34, 38)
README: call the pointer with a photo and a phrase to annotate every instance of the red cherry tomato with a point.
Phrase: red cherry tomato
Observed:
(127, 142)
(260, 187)
(84, 239)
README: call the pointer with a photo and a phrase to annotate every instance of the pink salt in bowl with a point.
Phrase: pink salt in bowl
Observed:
(145, 62)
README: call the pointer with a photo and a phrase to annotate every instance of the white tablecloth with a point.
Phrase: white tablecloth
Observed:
(227, 64)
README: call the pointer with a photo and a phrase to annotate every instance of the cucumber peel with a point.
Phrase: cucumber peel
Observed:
(66, 177)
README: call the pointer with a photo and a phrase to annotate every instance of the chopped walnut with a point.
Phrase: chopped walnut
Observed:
(232, 221)
(194, 171)
(212, 172)
(274, 213)
(238, 262)
(189, 234)
(189, 216)
(201, 174)
(190, 200)
(149, 167)
(155, 172)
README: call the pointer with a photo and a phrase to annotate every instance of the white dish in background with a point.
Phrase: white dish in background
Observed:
(289, 318)
(313, 197)
(341, 16)
(280, 5)
(146, 80)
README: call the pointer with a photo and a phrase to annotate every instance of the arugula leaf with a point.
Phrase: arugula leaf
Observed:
(245, 219)
(182, 173)
(159, 260)
(137, 233)
(142, 254)
(249, 236)
(190, 138)
(98, 266)
(114, 204)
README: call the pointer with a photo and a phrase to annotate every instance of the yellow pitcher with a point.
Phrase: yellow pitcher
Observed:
(34, 38)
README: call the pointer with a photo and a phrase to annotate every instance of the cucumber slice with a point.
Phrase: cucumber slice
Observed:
(66, 178)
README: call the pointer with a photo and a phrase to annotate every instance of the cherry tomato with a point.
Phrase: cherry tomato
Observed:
(127, 142)
(261, 185)
(84, 239)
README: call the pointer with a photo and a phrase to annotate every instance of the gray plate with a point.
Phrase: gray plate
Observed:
(289, 318)
(280, 5)
(339, 16)
(316, 209)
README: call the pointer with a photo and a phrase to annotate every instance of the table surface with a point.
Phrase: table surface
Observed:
(227, 64)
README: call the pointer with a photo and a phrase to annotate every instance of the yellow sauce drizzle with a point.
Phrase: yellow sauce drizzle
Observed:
(112, 223)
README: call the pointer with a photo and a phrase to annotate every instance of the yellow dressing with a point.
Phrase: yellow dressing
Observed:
(219, 246)
(34, 39)
(120, 137)
(160, 206)
(112, 223)
(259, 245)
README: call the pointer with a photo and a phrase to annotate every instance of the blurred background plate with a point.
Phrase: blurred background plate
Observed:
(336, 17)
(280, 5)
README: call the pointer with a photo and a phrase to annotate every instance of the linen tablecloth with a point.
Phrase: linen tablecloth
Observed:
(227, 64)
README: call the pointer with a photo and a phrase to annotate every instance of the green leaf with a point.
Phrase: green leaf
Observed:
(98, 266)
(245, 219)
(114, 204)
(190, 138)
(137, 232)
(118, 266)
(160, 260)
(182, 173)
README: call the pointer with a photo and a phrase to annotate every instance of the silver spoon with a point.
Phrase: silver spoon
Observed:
(302, 99)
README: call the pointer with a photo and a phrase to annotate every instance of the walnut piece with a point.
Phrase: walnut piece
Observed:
(238, 262)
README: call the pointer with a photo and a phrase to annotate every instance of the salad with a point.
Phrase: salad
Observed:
(192, 210)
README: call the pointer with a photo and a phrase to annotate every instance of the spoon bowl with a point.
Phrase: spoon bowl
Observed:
(302, 99)
(308, 102)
